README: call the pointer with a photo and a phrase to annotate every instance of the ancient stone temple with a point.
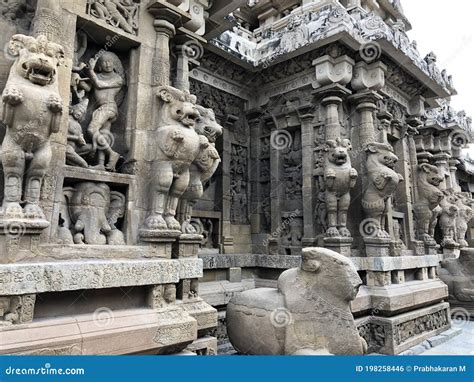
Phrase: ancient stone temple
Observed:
(161, 157)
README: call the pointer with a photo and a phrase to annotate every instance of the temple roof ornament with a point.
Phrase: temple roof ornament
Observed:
(305, 26)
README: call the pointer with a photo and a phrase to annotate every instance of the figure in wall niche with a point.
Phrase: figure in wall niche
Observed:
(427, 208)
(77, 146)
(339, 177)
(447, 218)
(202, 168)
(32, 111)
(106, 84)
(90, 212)
(382, 183)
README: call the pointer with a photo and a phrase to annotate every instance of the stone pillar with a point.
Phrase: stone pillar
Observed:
(187, 51)
(161, 61)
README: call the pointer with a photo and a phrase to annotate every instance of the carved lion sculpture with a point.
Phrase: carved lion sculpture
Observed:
(339, 177)
(31, 111)
(202, 168)
(309, 313)
(447, 218)
(381, 184)
(178, 145)
(465, 215)
(427, 208)
(458, 274)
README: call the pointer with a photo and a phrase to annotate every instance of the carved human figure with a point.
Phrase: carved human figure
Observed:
(203, 167)
(465, 215)
(32, 110)
(76, 143)
(447, 218)
(381, 184)
(339, 177)
(106, 84)
(426, 208)
(309, 313)
(178, 146)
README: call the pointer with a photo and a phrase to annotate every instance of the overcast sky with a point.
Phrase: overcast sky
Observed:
(447, 28)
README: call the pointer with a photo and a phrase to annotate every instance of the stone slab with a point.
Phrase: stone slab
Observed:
(108, 333)
(17, 279)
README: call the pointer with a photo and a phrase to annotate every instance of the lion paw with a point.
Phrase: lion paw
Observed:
(332, 232)
(344, 232)
(12, 210)
(33, 211)
(156, 222)
(177, 135)
(12, 96)
(55, 104)
(172, 223)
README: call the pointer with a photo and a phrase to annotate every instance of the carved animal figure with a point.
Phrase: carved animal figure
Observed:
(339, 177)
(31, 111)
(382, 183)
(202, 168)
(427, 208)
(76, 143)
(465, 215)
(178, 145)
(458, 275)
(447, 218)
(94, 210)
(309, 313)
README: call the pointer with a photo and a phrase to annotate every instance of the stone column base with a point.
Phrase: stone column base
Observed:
(377, 247)
(187, 245)
(341, 245)
(161, 242)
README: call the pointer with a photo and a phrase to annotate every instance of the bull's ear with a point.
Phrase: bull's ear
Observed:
(425, 167)
(317, 265)
(331, 143)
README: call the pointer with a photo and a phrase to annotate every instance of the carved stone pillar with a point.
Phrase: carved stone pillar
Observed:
(187, 51)
(167, 18)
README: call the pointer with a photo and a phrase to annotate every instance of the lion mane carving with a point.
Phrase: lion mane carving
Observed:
(309, 313)
(339, 177)
(382, 183)
(32, 110)
(447, 218)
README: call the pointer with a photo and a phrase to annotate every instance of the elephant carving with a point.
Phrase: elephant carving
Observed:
(32, 111)
(309, 313)
(178, 145)
(339, 177)
(382, 183)
(202, 168)
(427, 208)
(91, 213)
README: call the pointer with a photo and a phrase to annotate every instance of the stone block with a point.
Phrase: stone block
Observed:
(234, 274)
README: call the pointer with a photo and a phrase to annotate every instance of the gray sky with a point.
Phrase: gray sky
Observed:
(447, 28)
